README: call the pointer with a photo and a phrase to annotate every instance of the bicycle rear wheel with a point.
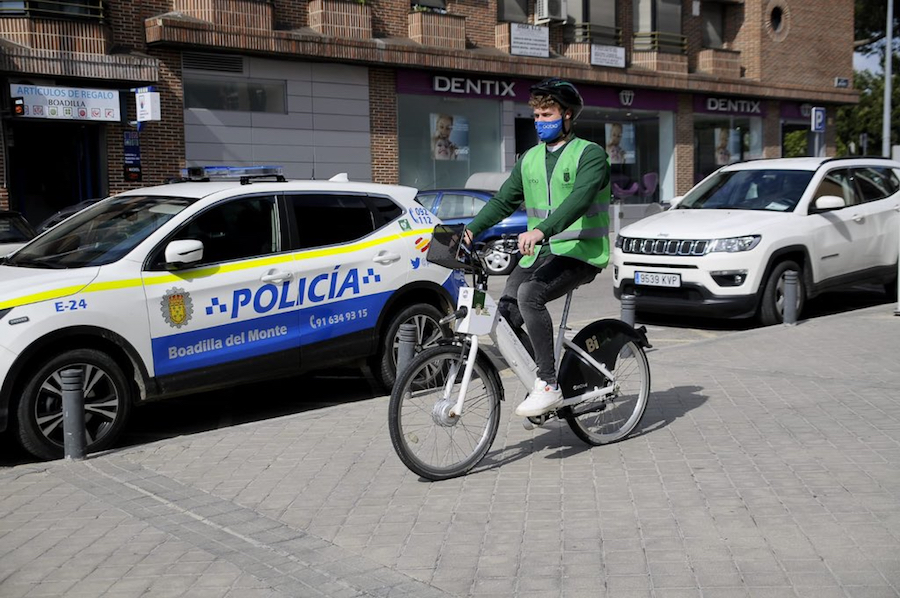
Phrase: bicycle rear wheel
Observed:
(429, 440)
(607, 420)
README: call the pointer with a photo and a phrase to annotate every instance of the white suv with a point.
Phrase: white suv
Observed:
(197, 285)
(723, 249)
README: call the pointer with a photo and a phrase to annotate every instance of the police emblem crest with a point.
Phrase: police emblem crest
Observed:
(177, 307)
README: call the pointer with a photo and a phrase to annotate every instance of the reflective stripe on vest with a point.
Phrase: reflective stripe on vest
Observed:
(587, 238)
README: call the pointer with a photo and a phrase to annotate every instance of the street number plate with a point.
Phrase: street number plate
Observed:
(657, 279)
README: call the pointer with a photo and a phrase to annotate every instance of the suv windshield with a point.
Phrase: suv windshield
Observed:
(100, 234)
(772, 190)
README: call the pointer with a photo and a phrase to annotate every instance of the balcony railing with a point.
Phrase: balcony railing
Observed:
(596, 34)
(660, 41)
(54, 9)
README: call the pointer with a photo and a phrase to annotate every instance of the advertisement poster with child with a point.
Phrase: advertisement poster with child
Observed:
(449, 137)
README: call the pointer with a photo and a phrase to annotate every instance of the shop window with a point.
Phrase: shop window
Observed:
(657, 26)
(512, 11)
(54, 9)
(718, 142)
(237, 95)
(443, 141)
(712, 16)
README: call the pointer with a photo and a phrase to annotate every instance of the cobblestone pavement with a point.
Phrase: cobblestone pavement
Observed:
(768, 464)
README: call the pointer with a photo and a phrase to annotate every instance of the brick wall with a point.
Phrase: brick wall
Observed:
(290, 15)
(383, 124)
(162, 142)
(684, 144)
(341, 18)
(244, 14)
(691, 30)
(812, 47)
(481, 17)
(748, 18)
(389, 18)
(433, 29)
(62, 36)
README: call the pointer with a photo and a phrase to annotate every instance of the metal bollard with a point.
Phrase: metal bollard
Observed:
(73, 413)
(790, 298)
(407, 348)
(628, 308)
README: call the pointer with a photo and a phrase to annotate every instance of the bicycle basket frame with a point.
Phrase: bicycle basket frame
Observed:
(446, 249)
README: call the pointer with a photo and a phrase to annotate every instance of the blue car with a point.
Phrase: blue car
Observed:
(459, 206)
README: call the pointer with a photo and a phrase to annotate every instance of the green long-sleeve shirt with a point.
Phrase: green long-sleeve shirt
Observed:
(592, 176)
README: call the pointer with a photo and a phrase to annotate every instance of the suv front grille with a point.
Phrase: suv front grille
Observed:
(665, 246)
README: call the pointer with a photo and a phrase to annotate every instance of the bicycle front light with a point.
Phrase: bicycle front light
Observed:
(734, 244)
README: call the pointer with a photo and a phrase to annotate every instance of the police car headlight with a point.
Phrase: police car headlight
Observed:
(734, 244)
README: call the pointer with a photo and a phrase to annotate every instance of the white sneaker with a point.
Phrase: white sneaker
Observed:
(540, 400)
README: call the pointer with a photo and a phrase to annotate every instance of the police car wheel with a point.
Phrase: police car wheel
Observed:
(428, 331)
(108, 399)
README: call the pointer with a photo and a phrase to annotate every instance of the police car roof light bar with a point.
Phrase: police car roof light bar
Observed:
(244, 173)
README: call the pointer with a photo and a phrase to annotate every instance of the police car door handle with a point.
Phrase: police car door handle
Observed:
(276, 276)
(386, 257)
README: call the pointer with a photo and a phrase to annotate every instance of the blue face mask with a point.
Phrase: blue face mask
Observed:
(548, 130)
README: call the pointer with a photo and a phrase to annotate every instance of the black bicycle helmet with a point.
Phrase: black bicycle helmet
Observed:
(564, 93)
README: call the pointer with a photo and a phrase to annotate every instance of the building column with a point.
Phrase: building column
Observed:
(684, 144)
(383, 126)
(772, 130)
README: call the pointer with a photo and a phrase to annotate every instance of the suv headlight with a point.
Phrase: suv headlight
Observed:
(734, 244)
(619, 241)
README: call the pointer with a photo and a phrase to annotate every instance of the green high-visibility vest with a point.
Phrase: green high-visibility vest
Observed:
(587, 239)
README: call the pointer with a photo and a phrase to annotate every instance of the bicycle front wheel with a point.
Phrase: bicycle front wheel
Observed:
(429, 438)
(607, 420)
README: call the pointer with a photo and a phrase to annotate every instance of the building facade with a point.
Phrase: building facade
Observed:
(424, 93)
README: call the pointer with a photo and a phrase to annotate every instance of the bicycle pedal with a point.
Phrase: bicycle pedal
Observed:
(529, 423)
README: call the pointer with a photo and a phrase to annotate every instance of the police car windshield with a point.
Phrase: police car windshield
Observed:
(763, 189)
(100, 234)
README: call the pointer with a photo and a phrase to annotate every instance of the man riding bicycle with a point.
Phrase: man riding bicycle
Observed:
(564, 182)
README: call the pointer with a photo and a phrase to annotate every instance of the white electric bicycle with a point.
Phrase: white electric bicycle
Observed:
(445, 406)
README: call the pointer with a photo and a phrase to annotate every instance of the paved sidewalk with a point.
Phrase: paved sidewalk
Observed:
(767, 465)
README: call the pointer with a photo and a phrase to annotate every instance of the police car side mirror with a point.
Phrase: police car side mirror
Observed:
(184, 253)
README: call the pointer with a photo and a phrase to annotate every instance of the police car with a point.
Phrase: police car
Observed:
(201, 284)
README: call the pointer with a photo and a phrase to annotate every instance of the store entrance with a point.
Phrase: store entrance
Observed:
(54, 165)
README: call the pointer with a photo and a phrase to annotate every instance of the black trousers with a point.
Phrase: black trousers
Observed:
(525, 298)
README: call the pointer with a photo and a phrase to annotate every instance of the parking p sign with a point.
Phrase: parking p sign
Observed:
(817, 120)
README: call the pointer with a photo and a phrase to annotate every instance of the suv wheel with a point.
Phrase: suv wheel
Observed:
(107, 403)
(428, 332)
(499, 263)
(771, 308)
